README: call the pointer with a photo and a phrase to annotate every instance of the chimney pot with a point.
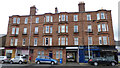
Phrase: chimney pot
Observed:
(81, 6)
(56, 10)
(33, 10)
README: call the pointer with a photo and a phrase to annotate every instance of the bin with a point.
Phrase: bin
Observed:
(61, 60)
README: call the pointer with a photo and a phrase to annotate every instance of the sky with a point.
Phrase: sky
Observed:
(22, 7)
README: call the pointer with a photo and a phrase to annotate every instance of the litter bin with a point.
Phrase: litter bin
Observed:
(61, 60)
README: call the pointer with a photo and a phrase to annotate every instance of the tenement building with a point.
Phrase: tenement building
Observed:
(72, 36)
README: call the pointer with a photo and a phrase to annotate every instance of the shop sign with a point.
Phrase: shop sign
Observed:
(25, 52)
(8, 51)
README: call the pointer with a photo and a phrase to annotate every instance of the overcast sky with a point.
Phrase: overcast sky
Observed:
(22, 7)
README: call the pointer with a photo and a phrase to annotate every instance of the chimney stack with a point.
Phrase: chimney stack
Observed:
(81, 7)
(56, 10)
(33, 10)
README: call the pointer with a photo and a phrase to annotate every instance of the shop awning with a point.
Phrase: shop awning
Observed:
(110, 48)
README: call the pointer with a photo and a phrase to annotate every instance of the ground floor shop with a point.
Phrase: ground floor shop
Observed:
(67, 54)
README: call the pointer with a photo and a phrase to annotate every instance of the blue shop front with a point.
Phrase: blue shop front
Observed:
(96, 51)
(83, 53)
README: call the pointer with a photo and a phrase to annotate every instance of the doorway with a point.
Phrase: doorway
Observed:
(50, 54)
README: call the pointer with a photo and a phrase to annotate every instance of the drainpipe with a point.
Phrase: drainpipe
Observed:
(29, 37)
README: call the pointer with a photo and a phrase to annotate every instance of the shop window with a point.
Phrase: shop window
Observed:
(57, 55)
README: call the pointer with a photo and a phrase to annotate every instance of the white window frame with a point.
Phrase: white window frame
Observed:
(13, 30)
(23, 42)
(98, 16)
(36, 30)
(88, 17)
(63, 28)
(105, 40)
(57, 55)
(62, 40)
(51, 19)
(58, 29)
(75, 28)
(26, 20)
(89, 28)
(63, 17)
(50, 41)
(99, 28)
(102, 15)
(76, 41)
(25, 31)
(103, 27)
(66, 40)
(75, 17)
(35, 41)
(18, 20)
(37, 19)
(45, 41)
(100, 40)
(66, 17)
(47, 29)
(47, 19)
(17, 31)
(14, 20)
(89, 40)
(50, 29)
(16, 41)
(66, 29)
(59, 41)
(11, 42)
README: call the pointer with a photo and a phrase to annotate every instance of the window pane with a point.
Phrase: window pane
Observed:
(58, 41)
(75, 17)
(63, 17)
(66, 41)
(46, 41)
(98, 16)
(12, 42)
(99, 28)
(102, 16)
(66, 17)
(57, 56)
(60, 54)
(100, 41)
(36, 30)
(88, 17)
(50, 41)
(63, 28)
(76, 41)
(63, 41)
(75, 28)
(35, 41)
(14, 20)
(90, 40)
(26, 20)
(37, 20)
(58, 29)
(17, 30)
(50, 29)
(59, 18)
(105, 40)
(23, 42)
(47, 18)
(42, 53)
(47, 29)
(103, 27)
(107, 28)
(16, 41)
(51, 19)
(13, 30)
(89, 28)
(18, 20)
(66, 29)
(25, 30)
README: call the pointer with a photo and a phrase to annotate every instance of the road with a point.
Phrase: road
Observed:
(53, 66)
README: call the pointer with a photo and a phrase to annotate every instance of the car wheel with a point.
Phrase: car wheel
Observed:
(113, 63)
(20, 62)
(95, 63)
(38, 62)
(52, 63)
(11, 62)
(2, 62)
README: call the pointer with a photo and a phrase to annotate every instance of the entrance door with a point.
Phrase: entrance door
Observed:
(50, 54)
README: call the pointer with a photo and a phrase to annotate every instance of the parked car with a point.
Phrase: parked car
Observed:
(45, 59)
(4, 59)
(19, 59)
(100, 60)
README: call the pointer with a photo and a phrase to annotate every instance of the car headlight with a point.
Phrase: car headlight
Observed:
(55, 61)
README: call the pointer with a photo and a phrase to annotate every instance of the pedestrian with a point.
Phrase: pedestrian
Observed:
(30, 58)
